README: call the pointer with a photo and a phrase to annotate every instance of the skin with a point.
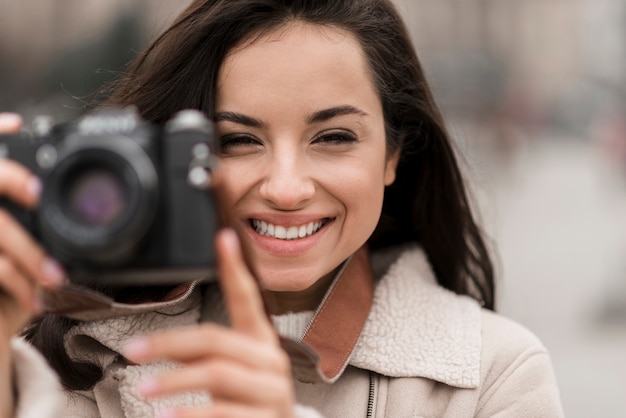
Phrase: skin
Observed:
(317, 154)
(303, 141)
(23, 265)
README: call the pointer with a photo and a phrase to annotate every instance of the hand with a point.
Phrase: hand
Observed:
(24, 266)
(243, 367)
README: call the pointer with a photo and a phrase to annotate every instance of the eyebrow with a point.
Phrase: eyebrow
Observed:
(239, 118)
(333, 112)
(319, 116)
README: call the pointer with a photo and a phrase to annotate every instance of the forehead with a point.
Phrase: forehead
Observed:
(298, 58)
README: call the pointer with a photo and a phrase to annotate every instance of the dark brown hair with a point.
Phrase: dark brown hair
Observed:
(427, 203)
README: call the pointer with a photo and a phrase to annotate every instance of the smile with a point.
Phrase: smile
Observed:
(287, 232)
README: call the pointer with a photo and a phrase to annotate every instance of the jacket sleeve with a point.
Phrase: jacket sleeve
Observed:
(519, 380)
(527, 389)
(39, 393)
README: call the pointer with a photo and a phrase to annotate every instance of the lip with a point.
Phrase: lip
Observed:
(288, 247)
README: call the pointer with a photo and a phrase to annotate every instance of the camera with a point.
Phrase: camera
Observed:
(124, 202)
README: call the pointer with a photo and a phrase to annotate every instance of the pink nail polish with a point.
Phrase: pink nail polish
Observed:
(53, 272)
(10, 119)
(167, 413)
(148, 387)
(230, 238)
(34, 187)
(137, 348)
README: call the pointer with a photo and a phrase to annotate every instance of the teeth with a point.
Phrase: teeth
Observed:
(280, 232)
(292, 232)
(286, 232)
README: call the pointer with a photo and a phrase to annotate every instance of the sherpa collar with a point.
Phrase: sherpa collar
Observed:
(416, 328)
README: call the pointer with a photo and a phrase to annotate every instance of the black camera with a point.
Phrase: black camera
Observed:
(124, 202)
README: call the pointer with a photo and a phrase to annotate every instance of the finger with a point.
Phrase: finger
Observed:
(223, 380)
(27, 255)
(18, 287)
(18, 184)
(241, 292)
(197, 343)
(220, 409)
(10, 123)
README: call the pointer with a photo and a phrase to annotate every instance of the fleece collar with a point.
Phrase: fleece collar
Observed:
(416, 328)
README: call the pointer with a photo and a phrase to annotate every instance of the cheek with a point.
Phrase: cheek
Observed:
(361, 192)
(233, 186)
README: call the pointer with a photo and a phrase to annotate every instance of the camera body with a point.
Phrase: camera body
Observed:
(124, 202)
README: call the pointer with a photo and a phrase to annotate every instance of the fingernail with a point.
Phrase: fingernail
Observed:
(53, 272)
(148, 387)
(167, 413)
(230, 238)
(34, 187)
(7, 118)
(137, 348)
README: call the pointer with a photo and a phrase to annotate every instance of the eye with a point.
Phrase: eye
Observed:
(335, 138)
(234, 143)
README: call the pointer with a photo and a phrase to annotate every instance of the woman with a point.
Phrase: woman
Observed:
(338, 177)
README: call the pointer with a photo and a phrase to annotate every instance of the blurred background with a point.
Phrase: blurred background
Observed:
(535, 94)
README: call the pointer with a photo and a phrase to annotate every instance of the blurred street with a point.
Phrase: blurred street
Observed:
(556, 209)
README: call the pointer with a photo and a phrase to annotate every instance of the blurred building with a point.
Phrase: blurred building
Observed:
(55, 53)
(39, 29)
(560, 60)
(525, 61)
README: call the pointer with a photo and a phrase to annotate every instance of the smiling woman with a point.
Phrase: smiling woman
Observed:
(339, 187)
(316, 155)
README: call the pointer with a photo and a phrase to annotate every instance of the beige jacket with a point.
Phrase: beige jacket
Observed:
(423, 352)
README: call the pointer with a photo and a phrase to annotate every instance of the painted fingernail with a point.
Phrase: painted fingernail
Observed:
(10, 119)
(148, 387)
(167, 413)
(34, 187)
(53, 272)
(230, 238)
(137, 348)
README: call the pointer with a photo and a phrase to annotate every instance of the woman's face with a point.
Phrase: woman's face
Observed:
(301, 138)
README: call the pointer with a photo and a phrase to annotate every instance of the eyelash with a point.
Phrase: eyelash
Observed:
(236, 140)
(336, 137)
(229, 142)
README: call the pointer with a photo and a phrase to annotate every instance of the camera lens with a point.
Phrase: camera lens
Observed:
(99, 200)
(96, 197)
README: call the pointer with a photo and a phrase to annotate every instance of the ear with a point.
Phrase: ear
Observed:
(390, 167)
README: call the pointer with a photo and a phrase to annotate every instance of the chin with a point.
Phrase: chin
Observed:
(285, 281)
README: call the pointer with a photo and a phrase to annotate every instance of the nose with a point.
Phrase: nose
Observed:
(288, 184)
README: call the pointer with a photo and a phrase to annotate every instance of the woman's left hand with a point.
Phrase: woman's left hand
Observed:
(242, 367)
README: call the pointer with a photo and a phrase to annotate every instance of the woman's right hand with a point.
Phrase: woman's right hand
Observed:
(24, 265)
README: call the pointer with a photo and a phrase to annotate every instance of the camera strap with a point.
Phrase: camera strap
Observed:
(84, 304)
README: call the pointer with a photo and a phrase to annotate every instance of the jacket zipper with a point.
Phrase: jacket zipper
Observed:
(372, 395)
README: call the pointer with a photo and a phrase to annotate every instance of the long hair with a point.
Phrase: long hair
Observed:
(427, 203)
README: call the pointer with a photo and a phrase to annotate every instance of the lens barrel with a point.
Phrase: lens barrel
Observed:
(99, 199)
